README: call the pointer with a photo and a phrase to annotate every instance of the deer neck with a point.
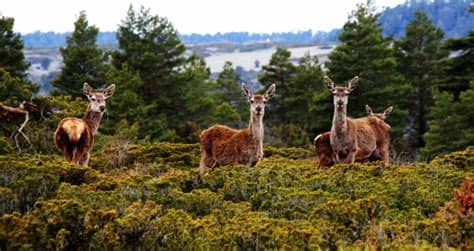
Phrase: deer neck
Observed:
(256, 127)
(92, 119)
(339, 121)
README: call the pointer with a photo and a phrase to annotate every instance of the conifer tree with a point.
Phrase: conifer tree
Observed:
(459, 70)
(419, 52)
(302, 87)
(279, 70)
(12, 58)
(444, 126)
(149, 45)
(363, 51)
(233, 108)
(83, 60)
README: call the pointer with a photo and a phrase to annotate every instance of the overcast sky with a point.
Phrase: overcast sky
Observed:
(191, 16)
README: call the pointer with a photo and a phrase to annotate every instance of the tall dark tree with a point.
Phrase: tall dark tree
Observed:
(279, 71)
(459, 69)
(195, 107)
(302, 123)
(150, 45)
(363, 51)
(233, 108)
(450, 124)
(83, 60)
(419, 52)
(12, 58)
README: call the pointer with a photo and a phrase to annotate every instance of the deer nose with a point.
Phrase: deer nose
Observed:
(102, 108)
(340, 102)
(258, 109)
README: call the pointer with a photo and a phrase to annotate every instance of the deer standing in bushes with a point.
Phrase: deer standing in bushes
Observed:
(74, 137)
(222, 145)
(356, 139)
(324, 153)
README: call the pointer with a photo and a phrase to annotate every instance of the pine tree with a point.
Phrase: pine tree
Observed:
(303, 86)
(195, 106)
(149, 44)
(363, 51)
(83, 60)
(13, 90)
(419, 53)
(12, 58)
(233, 108)
(445, 126)
(459, 70)
(279, 71)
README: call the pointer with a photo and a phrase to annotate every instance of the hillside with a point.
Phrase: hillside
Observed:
(148, 197)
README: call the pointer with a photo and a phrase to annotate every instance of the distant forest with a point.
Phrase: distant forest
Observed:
(451, 16)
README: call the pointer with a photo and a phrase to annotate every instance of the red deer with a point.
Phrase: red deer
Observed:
(351, 139)
(325, 154)
(74, 137)
(222, 145)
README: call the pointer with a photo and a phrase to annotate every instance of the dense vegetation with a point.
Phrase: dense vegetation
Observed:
(153, 200)
(142, 189)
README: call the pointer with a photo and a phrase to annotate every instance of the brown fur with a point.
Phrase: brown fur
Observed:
(376, 126)
(324, 153)
(355, 139)
(74, 137)
(222, 145)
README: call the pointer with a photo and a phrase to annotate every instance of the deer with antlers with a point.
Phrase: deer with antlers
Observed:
(74, 137)
(356, 139)
(222, 145)
(326, 156)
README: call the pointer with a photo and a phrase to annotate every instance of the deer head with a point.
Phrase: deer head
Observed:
(97, 99)
(257, 101)
(382, 115)
(341, 93)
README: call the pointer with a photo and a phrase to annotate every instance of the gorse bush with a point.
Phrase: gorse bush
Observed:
(154, 200)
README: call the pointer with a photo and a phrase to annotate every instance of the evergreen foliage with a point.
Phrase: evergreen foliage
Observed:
(448, 115)
(83, 60)
(233, 108)
(12, 58)
(364, 52)
(459, 69)
(419, 52)
(149, 45)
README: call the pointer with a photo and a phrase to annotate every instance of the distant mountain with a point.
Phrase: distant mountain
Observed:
(452, 16)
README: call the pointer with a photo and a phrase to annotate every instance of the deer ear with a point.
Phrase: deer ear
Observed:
(368, 110)
(87, 89)
(329, 84)
(353, 83)
(269, 93)
(387, 111)
(109, 91)
(246, 91)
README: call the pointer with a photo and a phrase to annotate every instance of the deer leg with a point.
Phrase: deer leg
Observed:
(84, 160)
(202, 163)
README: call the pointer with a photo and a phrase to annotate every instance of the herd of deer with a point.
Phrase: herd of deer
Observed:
(349, 140)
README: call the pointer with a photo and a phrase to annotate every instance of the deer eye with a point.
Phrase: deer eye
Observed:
(264, 101)
(251, 101)
(93, 99)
